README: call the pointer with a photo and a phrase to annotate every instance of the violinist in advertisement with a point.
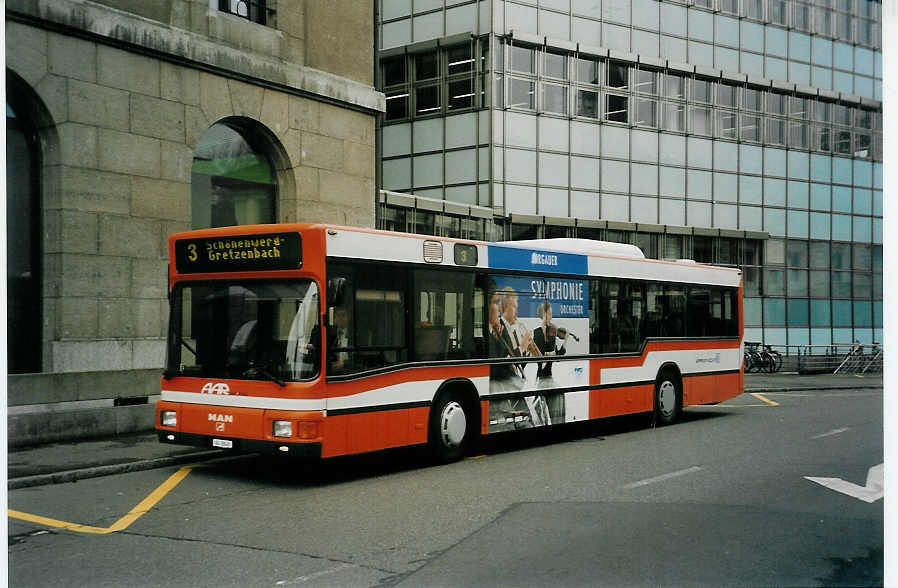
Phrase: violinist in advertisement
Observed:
(546, 338)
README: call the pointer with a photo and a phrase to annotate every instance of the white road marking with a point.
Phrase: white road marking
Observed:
(663, 477)
(872, 492)
(830, 433)
(308, 577)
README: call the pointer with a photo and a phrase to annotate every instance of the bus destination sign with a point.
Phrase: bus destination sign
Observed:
(235, 253)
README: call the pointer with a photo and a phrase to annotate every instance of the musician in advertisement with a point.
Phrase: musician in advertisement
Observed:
(532, 319)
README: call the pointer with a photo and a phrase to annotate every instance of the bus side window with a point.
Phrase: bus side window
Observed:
(443, 317)
(477, 314)
(340, 334)
(594, 312)
(698, 309)
(379, 317)
(654, 310)
(673, 308)
(730, 323)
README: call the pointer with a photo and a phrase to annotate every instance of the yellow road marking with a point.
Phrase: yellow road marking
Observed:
(763, 398)
(123, 523)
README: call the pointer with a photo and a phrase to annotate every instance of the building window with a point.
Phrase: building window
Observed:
(588, 103)
(427, 100)
(460, 84)
(674, 117)
(232, 180)
(700, 120)
(588, 71)
(801, 16)
(616, 108)
(777, 11)
(555, 65)
(520, 94)
(397, 104)
(253, 10)
(646, 113)
(726, 124)
(437, 81)
(618, 76)
(702, 91)
(554, 98)
(23, 230)
(522, 59)
(426, 66)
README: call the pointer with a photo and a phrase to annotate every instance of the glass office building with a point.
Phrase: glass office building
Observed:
(737, 132)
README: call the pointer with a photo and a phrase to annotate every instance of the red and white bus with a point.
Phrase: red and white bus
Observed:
(318, 341)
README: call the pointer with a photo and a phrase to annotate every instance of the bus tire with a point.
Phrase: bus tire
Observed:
(450, 428)
(668, 397)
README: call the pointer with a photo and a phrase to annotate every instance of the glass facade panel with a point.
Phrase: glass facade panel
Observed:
(798, 313)
(774, 312)
(819, 284)
(820, 316)
(798, 166)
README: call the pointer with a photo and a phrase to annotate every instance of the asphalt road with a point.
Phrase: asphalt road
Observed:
(721, 498)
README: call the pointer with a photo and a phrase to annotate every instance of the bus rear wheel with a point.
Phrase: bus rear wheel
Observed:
(450, 428)
(668, 398)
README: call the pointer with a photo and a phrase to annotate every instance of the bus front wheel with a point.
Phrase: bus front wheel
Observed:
(668, 398)
(449, 428)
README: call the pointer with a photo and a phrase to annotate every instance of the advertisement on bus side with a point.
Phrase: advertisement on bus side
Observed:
(533, 318)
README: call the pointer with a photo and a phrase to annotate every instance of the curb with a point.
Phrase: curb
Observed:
(107, 470)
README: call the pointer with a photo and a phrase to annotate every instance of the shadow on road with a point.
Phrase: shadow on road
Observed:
(290, 472)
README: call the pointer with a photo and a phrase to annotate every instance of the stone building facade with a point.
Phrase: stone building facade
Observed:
(128, 121)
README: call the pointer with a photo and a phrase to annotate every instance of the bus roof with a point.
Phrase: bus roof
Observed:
(571, 256)
(576, 257)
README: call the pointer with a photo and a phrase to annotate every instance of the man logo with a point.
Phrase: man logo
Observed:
(216, 388)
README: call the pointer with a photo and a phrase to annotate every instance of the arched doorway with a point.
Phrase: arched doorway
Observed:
(24, 320)
(233, 181)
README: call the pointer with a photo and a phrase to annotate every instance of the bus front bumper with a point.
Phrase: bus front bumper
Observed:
(293, 449)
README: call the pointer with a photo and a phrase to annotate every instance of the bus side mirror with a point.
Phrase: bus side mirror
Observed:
(336, 293)
(329, 318)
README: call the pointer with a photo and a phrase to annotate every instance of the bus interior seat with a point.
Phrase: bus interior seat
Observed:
(432, 342)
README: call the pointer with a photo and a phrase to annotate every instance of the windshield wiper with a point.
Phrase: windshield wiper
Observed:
(189, 348)
(267, 374)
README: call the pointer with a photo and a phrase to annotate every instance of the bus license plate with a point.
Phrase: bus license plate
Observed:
(223, 443)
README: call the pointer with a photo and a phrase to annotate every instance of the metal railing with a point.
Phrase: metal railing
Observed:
(861, 359)
(837, 358)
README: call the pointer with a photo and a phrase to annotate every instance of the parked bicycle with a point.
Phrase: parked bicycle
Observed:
(762, 358)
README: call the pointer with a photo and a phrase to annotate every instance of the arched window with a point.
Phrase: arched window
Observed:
(233, 180)
(23, 246)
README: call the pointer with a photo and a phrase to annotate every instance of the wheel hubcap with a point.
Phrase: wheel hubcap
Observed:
(667, 398)
(453, 424)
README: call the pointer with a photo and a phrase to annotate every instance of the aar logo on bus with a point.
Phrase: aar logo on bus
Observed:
(219, 388)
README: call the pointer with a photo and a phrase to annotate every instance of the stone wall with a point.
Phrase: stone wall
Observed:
(124, 101)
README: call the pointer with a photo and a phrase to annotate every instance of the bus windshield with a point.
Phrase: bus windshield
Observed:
(246, 330)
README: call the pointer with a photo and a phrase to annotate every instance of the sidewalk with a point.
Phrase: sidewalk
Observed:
(66, 462)
(792, 381)
(56, 463)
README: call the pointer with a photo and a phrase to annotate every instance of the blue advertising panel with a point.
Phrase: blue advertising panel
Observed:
(517, 258)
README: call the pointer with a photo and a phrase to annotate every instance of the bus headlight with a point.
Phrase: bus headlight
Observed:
(168, 418)
(282, 428)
